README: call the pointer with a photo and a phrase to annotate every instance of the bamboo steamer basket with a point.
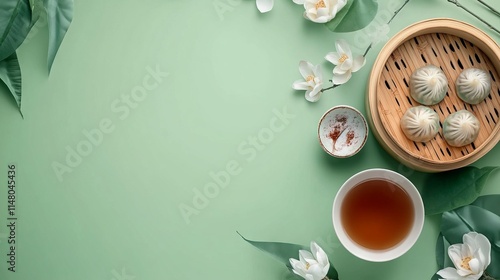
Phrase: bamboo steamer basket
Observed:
(453, 46)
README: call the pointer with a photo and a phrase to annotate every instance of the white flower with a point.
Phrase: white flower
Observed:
(321, 11)
(313, 266)
(265, 6)
(312, 83)
(345, 63)
(470, 258)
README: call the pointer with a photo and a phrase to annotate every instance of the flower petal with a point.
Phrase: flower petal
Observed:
(309, 277)
(358, 62)
(449, 273)
(265, 6)
(300, 273)
(475, 266)
(305, 68)
(455, 254)
(339, 6)
(484, 246)
(300, 85)
(316, 271)
(313, 95)
(339, 79)
(333, 57)
(346, 65)
(463, 272)
(319, 254)
(343, 47)
(306, 256)
(299, 2)
(318, 73)
(298, 267)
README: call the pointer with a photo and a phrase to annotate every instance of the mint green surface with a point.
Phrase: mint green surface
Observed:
(117, 215)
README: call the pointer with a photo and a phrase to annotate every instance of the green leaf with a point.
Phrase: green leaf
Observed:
(59, 17)
(452, 189)
(442, 258)
(332, 24)
(469, 218)
(284, 251)
(442, 252)
(489, 202)
(357, 14)
(15, 24)
(36, 9)
(10, 74)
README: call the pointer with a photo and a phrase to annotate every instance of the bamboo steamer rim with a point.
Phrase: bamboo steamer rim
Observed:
(438, 25)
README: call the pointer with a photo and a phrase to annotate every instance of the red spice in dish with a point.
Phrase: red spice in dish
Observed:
(338, 127)
(350, 136)
(341, 119)
(334, 135)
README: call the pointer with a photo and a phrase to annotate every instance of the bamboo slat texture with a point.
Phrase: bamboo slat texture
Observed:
(453, 46)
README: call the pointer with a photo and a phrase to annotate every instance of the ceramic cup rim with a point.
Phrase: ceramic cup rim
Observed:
(365, 128)
(403, 246)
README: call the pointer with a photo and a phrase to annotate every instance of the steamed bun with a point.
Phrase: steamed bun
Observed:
(428, 85)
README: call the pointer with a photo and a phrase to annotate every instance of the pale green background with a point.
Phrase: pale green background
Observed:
(118, 211)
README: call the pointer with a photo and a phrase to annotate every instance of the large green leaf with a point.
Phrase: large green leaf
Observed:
(489, 202)
(332, 24)
(469, 218)
(452, 189)
(15, 24)
(284, 251)
(357, 14)
(10, 74)
(36, 10)
(442, 252)
(59, 17)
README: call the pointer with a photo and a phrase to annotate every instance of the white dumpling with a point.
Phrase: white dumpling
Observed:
(428, 85)
(473, 85)
(461, 128)
(420, 123)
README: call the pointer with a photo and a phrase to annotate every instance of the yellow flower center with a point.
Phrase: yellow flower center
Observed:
(343, 58)
(465, 263)
(308, 266)
(310, 78)
(320, 4)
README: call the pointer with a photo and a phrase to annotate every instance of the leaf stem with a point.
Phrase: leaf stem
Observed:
(489, 7)
(396, 12)
(329, 88)
(473, 14)
(486, 277)
(371, 44)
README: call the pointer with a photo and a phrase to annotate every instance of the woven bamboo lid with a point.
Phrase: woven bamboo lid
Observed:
(453, 46)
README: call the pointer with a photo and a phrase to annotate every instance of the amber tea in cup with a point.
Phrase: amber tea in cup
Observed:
(378, 215)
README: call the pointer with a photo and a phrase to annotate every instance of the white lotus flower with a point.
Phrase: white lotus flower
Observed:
(470, 258)
(265, 6)
(311, 266)
(312, 83)
(345, 63)
(321, 11)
